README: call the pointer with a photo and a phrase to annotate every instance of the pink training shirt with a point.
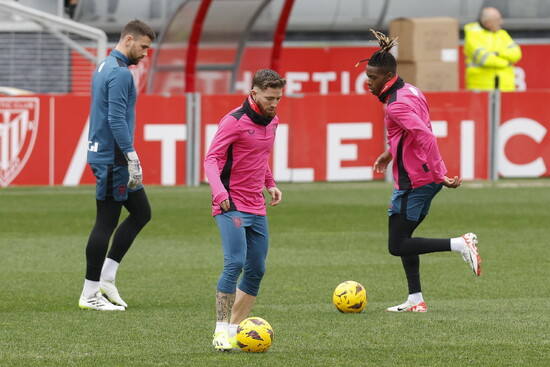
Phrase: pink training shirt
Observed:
(236, 164)
(413, 146)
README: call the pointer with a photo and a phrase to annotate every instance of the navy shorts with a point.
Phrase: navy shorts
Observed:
(413, 203)
(112, 182)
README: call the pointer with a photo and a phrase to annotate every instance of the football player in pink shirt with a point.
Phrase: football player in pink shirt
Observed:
(237, 169)
(419, 172)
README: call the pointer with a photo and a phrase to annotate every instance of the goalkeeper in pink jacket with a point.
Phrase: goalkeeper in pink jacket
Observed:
(419, 172)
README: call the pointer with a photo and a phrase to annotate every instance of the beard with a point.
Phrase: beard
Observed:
(134, 60)
(266, 113)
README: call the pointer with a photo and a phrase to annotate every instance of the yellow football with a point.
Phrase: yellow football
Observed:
(254, 334)
(350, 297)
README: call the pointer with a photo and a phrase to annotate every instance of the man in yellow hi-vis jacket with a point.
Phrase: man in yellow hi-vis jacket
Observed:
(490, 53)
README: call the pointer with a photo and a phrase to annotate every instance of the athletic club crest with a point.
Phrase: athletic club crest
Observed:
(18, 130)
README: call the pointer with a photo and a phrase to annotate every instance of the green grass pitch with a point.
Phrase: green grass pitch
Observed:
(321, 235)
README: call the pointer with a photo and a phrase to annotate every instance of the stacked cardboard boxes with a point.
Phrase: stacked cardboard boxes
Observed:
(427, 54)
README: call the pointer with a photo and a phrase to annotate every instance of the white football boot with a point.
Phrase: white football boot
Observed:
(110, 292)
(408, 306)
(98, 302)
(470, 254)
(221, 341)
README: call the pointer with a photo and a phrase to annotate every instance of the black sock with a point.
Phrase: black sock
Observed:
(411, 264)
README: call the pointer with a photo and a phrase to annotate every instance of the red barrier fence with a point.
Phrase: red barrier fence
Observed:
(43, 139)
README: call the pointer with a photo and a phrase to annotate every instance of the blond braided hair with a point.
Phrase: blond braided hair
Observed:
(382, 56)
(385, 42)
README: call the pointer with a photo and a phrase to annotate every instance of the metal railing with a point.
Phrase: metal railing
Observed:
(41, 51)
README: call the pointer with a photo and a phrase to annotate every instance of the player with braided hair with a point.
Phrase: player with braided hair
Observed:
(418, 170)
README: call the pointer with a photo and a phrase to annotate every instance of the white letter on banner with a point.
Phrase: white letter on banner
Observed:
(281, 172)
(467, 144)
(338, 152)
(519, 126)
(467, 149)
(360, 84)
(293, 80)
(344, 82)
(244, 85)
(168, 135)
(78, 161)
(324, 79)
(439, 128)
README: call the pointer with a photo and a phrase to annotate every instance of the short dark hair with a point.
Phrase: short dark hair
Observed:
(382, 57)
(138, 28)
(267, 78)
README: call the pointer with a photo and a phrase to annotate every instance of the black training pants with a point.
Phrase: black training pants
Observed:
(107, 216)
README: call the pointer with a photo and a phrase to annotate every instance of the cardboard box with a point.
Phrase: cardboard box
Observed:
(430, 76)
(426, 39)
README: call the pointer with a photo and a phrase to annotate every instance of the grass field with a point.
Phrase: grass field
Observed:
(321, 235)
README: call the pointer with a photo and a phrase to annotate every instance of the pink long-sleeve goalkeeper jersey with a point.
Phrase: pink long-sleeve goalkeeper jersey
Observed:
(416, 158)
(236, 164)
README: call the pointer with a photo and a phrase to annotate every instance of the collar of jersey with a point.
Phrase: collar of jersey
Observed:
(255, 116)
(391, 87)
(121, 56)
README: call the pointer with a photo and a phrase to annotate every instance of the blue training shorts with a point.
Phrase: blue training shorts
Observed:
(413, 203)
(112, 182)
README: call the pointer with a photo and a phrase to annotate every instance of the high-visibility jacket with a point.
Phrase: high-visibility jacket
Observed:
(490, 57)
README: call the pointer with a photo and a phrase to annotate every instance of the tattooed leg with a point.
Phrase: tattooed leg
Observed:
(224, 303)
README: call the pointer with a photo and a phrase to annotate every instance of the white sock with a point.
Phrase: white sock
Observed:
(108, 272)
(416, 298)
(233, 330)
(90, 288)
(457, 244)
(221, 326)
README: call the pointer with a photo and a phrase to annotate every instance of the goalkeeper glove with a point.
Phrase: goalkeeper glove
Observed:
(134, 169)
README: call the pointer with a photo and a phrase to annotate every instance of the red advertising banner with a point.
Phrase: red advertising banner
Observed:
(523, 147)
(43, 139)
(460, 123)
(319, 138)
(338, 137)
